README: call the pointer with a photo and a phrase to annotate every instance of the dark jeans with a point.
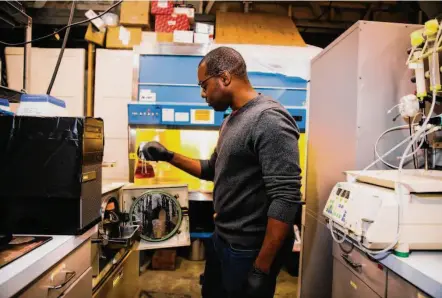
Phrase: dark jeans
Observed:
(227, 268)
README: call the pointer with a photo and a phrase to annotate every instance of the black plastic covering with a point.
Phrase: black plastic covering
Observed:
(42, 160)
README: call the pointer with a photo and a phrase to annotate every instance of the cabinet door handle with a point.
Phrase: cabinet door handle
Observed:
(350, 262)
(66, 280)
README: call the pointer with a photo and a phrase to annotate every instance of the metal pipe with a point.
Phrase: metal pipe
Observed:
(90, 80)
(27, 56)
(426, 159)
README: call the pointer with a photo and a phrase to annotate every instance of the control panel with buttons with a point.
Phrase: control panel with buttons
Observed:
(173, 114)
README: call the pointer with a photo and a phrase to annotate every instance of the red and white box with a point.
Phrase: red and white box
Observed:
(170, 23)
(162, 7)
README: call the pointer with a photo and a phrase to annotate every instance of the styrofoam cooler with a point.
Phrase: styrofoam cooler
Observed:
(41, 105)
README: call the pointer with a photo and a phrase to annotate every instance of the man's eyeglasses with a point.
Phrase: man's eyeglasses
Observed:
(201, 83)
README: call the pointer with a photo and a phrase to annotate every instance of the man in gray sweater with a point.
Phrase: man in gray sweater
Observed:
(257, 180)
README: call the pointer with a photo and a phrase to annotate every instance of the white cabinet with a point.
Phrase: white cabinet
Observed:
(69, 85)
(113, 91)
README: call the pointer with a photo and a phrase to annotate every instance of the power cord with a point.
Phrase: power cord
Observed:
(59, 30)
(65, 40)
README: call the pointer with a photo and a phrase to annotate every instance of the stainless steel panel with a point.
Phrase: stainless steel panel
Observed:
(314, 256)
(332, 120)
(367, 270)
(383, 78)
(81, 288)
(123, 282)
(400, 288)
(62, 275)
(348, 285)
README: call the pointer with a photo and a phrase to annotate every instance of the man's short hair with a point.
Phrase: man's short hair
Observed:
(225, 59)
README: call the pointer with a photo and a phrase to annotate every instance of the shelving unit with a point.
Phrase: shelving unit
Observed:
(13, 15)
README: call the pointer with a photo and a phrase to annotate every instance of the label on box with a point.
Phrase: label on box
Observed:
(147, 95)
(201, 38)
(171, 23)
(168, 115)
(183, 36)
(124, 36)
(163, 4)
(181, 117)
(202, 116)
(189, 12)
(204, 28)
(98, 22)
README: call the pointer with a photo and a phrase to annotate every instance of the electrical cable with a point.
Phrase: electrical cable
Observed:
(414, 156)
(63, 28)
(60, 55)
(342, 240)
(381, 158)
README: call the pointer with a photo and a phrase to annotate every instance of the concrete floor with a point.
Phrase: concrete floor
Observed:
(184, 282)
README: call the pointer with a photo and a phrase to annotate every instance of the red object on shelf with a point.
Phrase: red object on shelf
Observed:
(162, 7)
(170, 23)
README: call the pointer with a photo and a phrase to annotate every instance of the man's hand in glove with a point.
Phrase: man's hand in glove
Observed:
(259, 284)
(154, 151)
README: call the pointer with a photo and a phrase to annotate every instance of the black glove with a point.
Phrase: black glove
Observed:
(259, 284)
(154, 151)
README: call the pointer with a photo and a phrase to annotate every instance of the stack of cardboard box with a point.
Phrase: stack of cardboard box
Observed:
(134, 17)
(173, 20)
(170, 23)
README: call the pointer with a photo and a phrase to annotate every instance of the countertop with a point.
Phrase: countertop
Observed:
(423, 269)
(29, 267)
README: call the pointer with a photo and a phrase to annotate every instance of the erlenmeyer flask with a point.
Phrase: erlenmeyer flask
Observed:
(144, 170)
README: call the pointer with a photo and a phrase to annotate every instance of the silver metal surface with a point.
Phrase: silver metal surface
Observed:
(200, 196)
(347, 285)
(81, 288)
(365, 269)
(400, 288)
(354, 81)
(123, 282)
(315, 237)
(78, 261)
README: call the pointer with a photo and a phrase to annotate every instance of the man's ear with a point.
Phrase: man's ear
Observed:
(226, 78)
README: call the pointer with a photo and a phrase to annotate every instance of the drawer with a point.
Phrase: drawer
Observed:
(400, 288)
(123, 282)
(82, 287)
(371, 272)
(59, 278)
(348, 285)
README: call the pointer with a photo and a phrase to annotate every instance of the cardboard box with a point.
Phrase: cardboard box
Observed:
(135, 13)
(204, 28)
(170, 23)
(164, 37)
(123, 37)
(162, 7)
(95, 36)
(189, 12)
(202, 38)
(183, 36)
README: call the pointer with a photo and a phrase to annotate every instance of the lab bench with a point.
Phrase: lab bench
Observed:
(357, 275)
(63, 262)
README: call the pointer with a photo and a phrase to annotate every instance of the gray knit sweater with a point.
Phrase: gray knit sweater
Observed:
(256, 172)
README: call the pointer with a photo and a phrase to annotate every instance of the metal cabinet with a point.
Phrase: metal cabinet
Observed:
(123, 282)
(63, 275)
(81, 288)
(348, 285)
(400, 288)
(370, 272)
